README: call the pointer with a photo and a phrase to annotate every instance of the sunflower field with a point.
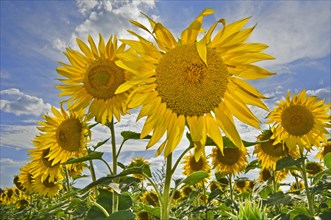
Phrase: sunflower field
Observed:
(193, 86)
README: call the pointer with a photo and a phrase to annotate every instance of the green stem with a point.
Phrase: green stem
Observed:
(105, 162)
(179, 159)
(274, 183)
(305, 181)
(93, 177)
(165, 209)
(231, 188)
(155, 188)
(119, 150)
(114, 154)
(101, 208)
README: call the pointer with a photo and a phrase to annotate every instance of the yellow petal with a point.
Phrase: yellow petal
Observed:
(202, 51)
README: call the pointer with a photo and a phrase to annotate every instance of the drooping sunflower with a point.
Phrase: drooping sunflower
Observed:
(92, 78)
(266, 174)
(300, 121)
(232, 161)
(214, 185)
(150, 198)
(325, 148)
(65, 135)
(46, 187)
(41, 165)
(191, 165)
(75, 169)
(139, 162)
(313, 168)
(198, 82)
(269, 153)
(186, 190)
(25, 177)
(143, 216)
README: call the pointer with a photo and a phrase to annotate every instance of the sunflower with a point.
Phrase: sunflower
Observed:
(214, 185)
(269, 153)
(198, 82)
(177, 196)
(186, 190)
(300, 121)
(266, 174)
(75, 169)
(143, 216)
(40, 164)
(313, 167)
(241, 185)
(139, 162)
(232, 161)
(92, 78)
(46, 187)
(17, 183)
(25, 177)
(326, 148)
(191, 165)
(297, 186)
(65, 135)
(150, 198)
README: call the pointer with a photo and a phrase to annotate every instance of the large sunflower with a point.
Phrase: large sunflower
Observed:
(268, 153)
(64, 134)
(92, 77)
(46, 187)
(231, 161)
(300, 121)
(198, 82)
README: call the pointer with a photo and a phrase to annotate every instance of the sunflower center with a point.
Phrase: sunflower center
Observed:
(47, 183)
(230, 157)
(68, 134)
(196, 166)
(272, 150)
(265, 174)
(241, 184)
(103, 78)
(187, 85)
(297, 120)
(45, 160)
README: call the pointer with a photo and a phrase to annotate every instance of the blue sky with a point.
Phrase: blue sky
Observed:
(35, 33)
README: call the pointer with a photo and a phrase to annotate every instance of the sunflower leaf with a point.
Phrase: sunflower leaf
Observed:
(130, 135)
(288, 162)
(327, 160)
(91, 156)
(195, 177)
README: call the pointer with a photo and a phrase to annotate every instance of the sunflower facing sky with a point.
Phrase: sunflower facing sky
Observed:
(300, 121)
(92, 78)
(198, 82)
(65, 135)
(268, 153)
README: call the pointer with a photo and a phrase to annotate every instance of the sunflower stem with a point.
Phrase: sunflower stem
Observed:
(101, 208)
(110, 125)
(93, 177)
(166, 203)
(305, 181)
(231, 188)
(179, 159)
(274, 182)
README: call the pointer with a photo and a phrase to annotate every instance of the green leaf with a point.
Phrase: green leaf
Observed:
(130, 135)
(99, 144)
(327, 160)
(300, 213)
(153, 211)
(124, 201)
(195, 177)
(287, 162)
(214, 194)
(121, 215)
(252, 165)
(279, 198)
(265, 192)
(91, 156)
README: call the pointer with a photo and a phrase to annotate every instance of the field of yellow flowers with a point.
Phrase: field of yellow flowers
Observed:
(189, 86)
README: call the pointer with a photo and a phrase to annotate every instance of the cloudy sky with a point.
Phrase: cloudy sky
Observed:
(35, 33)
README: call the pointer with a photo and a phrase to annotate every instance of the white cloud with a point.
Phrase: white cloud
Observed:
(18, 136)
(322, 93)
(4, 74)
(20, 103)
(109, 18)
(293, 30)
(8, 169)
